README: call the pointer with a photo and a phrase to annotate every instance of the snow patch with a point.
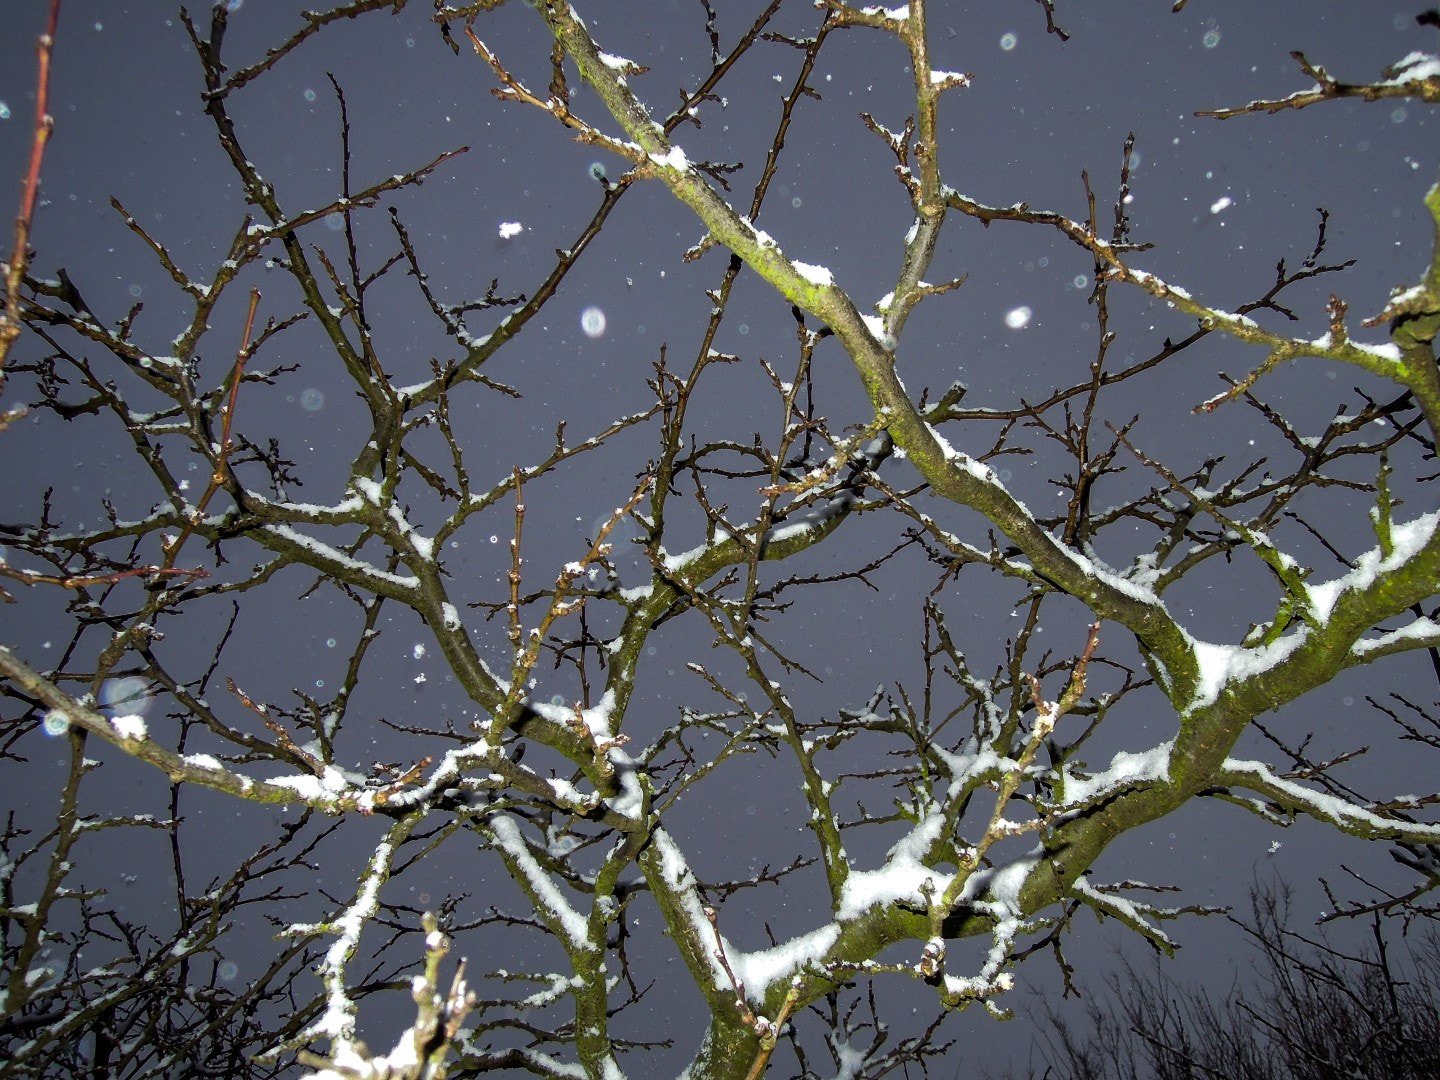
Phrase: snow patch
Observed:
(816, 275)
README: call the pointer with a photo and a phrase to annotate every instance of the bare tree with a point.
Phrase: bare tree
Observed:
(968, 802)
(1311, 1009)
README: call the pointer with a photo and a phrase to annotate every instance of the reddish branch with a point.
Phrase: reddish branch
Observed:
(217, 477)
(44, 125)
(82, 581)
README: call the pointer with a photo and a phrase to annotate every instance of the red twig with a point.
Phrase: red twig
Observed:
(26, 577)
(44, 125)
(217, 477)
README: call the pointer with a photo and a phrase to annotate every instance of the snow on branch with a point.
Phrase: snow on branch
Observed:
(1415, 76)
(421, 1050)
(337, 1022)
(1289, 797)
(325, 788)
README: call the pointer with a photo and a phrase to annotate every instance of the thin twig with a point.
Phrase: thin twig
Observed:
(19, 257)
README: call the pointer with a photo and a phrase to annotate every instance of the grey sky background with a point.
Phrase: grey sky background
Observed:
(1220, 201)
